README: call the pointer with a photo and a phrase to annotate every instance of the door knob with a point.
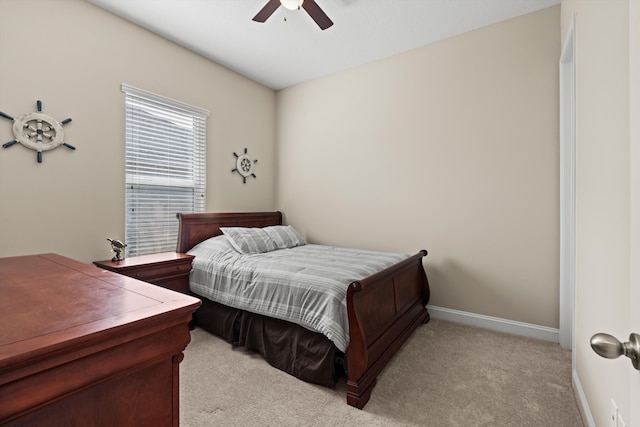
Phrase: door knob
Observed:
(608, 346)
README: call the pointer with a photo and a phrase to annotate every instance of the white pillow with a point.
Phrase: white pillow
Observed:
(249, 240)
(284, 236)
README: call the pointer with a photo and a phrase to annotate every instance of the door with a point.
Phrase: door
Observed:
(629, 415)
(608, 202)
(634, 149)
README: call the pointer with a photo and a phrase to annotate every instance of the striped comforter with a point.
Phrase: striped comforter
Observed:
(306, 285)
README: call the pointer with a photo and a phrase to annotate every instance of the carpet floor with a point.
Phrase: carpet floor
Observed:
(446, 374)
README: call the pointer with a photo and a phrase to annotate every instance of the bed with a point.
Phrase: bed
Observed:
(383, 310)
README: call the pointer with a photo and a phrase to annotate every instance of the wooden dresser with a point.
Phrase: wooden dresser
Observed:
(83, 346)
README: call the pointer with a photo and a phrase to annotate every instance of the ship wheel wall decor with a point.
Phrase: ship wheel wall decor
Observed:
(244, 166)
(37, 131)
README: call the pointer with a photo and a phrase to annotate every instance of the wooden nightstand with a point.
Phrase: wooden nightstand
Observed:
(170, 269)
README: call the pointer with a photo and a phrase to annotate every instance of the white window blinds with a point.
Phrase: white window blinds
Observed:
(165, 169)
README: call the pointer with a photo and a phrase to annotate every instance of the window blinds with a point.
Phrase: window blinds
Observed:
(165, 169)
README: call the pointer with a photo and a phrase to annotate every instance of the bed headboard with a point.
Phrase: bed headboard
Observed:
(194, 228)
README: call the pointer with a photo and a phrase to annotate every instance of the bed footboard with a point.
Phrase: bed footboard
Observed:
(384, 310)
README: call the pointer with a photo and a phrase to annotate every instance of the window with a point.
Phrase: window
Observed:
(165, 168)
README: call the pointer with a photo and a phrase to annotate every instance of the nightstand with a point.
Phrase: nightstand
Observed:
(169, 270)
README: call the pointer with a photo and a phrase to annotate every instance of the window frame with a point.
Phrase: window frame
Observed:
(168, 178)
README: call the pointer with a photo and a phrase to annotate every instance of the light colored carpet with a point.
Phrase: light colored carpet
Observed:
(447, 374)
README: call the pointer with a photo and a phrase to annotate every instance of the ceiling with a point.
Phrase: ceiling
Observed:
(283, 52)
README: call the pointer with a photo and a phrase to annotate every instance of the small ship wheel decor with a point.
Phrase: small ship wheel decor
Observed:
(37, 131)
(244, 166)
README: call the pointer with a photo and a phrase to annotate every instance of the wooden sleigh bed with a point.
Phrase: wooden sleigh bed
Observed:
(383, 311)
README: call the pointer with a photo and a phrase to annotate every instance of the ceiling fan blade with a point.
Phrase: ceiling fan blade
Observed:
(267, 10)
(317, 14)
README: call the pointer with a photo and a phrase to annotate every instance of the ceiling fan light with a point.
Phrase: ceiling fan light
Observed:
(291, 4)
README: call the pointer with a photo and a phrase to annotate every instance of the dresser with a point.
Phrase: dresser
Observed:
(83, 346)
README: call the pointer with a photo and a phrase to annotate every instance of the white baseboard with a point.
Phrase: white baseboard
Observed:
(495, 323)
(583, 405)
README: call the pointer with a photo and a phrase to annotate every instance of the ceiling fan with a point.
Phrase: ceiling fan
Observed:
(310, 6)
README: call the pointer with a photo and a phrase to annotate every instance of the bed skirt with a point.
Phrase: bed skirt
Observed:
(305, 354)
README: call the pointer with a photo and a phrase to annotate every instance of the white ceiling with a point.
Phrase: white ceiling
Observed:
(280, 53)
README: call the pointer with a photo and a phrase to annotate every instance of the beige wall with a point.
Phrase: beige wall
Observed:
(603, 195)
(74, 57)
(452, 147)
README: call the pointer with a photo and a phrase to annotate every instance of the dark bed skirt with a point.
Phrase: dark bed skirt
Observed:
(305, 354)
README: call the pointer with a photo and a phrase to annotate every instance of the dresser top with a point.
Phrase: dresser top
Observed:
(49, 302)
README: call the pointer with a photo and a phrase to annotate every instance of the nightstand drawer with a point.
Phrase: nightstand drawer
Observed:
(159, 271)
(169, 269)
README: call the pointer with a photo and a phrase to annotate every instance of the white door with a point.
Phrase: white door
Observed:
(608, 208)
(634, 137)
(630, 416)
